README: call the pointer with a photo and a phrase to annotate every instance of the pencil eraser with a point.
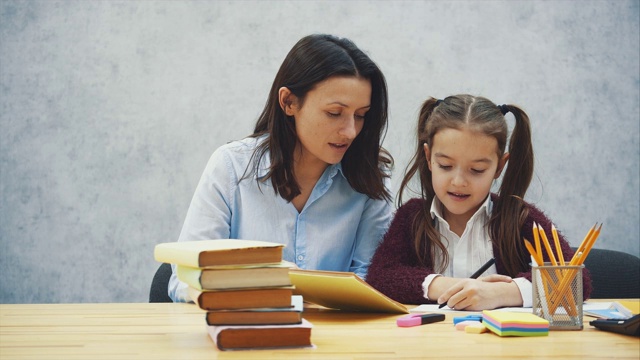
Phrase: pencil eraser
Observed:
(478, 328)
(463, 324)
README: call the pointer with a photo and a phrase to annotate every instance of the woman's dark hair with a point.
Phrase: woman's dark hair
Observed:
(509, 211)
(313, 59)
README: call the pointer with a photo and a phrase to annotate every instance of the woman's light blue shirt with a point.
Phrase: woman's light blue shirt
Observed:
(338, 229)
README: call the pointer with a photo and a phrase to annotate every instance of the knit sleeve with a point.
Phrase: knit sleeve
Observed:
(395, 269)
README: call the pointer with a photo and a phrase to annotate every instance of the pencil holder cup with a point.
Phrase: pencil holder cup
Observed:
(557, 295)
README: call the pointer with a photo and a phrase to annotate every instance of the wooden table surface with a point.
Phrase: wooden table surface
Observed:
(177, 331)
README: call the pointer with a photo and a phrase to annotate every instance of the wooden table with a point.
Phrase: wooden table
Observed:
(177, 331)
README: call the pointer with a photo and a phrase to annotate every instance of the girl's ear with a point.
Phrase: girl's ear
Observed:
(501, 164)
(287, 101)
(427, 155)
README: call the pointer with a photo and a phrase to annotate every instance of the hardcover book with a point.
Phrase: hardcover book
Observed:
(205, 253)
(241, 298)
(259, 316)
(237, 337)
(230, 277)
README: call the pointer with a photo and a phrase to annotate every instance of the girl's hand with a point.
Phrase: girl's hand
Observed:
(496, 278)
(486, 293)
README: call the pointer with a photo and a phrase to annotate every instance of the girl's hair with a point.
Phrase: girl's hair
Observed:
(313, 59)
(509, 211)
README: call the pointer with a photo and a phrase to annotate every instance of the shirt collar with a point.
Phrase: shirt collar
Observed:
(265, 163)
(485, 208)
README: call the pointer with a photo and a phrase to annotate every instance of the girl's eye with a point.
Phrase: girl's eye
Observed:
(359, 117)
(333, 114)
(476, 171)
(444, 167)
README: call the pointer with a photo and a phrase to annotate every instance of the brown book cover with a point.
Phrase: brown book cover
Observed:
(203, 253)
(241, 298)
(236, 337)
(259, 316)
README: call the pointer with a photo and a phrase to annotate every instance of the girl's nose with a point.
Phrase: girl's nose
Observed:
(458, 179)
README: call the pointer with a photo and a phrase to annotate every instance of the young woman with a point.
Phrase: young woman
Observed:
(313, 174)
(437, 241)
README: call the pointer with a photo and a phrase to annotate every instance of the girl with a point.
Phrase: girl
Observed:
(313, 174)
(437, 241)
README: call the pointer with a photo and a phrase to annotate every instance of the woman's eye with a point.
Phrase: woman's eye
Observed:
(444, 167)
(477, 171)
(333, 114)
(359, 117)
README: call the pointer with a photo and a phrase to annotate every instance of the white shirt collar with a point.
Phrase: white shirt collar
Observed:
(436, 209)
(265, 164)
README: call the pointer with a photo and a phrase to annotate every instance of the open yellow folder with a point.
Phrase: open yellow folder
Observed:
(343, 291)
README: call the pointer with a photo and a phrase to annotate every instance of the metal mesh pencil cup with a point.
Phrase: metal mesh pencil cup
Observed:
(557, 295)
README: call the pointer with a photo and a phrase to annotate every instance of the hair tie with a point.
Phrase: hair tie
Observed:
(504, 109)
(438, 102)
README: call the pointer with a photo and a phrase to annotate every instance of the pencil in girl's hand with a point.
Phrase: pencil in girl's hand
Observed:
(476, 274)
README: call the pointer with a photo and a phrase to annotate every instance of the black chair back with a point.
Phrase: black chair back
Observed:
(159, 291)
(614, 274)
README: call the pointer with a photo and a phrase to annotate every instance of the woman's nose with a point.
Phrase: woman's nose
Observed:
(349, 128)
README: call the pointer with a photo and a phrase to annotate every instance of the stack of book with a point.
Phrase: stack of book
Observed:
(245, 290)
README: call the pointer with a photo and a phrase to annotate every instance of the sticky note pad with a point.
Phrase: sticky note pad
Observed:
(506, 323)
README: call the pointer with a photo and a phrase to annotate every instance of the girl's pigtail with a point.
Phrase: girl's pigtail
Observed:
(427, 239)
(418, 162)
(510, 210)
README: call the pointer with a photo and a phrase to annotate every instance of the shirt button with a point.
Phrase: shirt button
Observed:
(300, 257)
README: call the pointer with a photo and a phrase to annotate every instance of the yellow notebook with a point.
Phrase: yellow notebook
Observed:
(632, 305)
(343, 291)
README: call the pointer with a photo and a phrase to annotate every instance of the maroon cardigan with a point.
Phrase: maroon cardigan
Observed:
(396, 272)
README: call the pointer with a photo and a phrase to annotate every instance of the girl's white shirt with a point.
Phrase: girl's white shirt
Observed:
(467, 253)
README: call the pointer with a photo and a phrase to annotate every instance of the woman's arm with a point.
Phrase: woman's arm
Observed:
(209, 214)
(374, 222)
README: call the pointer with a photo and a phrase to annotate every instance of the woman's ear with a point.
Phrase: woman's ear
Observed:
(427, 155)
(501, 164)
(287, 101)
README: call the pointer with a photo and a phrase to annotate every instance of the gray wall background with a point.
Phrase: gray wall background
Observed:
(110, 110)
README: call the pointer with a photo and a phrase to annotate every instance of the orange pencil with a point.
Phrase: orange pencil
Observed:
(547, 246)
(556, 241)
(536, 239)
(578, 259)
(533, 253)
(559, 278)
(547, 281)
(589, 245)
(580, 249)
